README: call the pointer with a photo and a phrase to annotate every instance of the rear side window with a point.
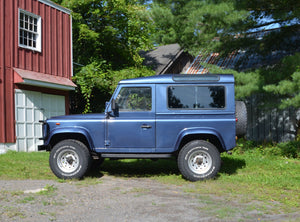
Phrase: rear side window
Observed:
(132, 99)
(196, 97)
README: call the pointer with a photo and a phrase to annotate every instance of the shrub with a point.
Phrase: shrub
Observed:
(289, 149)
(244, 145)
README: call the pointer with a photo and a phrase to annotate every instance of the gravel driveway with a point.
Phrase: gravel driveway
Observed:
(118, 199)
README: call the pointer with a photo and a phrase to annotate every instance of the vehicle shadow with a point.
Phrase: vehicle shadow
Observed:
(143, 168)
(136, 168)
(230, 164)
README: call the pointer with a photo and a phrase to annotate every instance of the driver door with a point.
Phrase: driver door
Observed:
(133, 127)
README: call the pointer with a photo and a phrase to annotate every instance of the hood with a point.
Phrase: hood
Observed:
(79, 116)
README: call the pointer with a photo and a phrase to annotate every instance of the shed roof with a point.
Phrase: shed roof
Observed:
(161, 57)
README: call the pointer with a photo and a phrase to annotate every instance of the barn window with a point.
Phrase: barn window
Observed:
(29, 30)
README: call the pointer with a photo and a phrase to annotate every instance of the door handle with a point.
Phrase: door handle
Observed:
(144, 126)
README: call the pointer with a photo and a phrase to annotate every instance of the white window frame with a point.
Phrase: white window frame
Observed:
(33, 34)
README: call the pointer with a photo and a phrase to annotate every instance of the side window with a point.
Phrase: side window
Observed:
(196, 97)
(134, 99)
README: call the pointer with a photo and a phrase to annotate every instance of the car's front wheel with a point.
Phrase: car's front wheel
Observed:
(199, 160)
(70, 159)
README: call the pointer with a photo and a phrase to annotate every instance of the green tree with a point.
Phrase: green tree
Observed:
(98, 81)
(107, 38)
(195, 24)
(223, 26)
(246, 83)
(288, 88)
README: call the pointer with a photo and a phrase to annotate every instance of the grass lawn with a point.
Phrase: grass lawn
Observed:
(244, 177)
(22, 166)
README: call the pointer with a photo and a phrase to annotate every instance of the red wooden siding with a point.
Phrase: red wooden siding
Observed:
(55, 57)
(6, 73)
(54, 30)
(2, 95)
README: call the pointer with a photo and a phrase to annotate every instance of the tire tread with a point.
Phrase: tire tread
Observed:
(186, 172)
(83, 150)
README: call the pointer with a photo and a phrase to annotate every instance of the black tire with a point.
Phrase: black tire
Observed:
(70, 159)
(241, 115)
(199, 160)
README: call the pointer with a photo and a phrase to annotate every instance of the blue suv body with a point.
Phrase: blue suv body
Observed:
(191, 117)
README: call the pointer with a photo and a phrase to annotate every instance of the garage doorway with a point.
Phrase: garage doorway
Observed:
(30, 108)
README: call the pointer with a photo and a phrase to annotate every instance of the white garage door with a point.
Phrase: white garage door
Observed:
(30, 108)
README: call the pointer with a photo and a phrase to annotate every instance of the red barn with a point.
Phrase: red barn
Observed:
(35, 69)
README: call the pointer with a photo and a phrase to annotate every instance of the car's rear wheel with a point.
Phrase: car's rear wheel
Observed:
(70, 159)
(199, 160)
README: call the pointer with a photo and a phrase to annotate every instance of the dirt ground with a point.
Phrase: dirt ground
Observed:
(119, 199)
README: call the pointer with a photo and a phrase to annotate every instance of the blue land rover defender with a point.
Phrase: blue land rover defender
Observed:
(191, 117)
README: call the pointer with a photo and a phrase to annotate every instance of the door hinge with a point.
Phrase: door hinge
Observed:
(107, 142)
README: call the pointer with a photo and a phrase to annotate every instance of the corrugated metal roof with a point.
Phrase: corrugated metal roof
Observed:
(228, 62)
(237, 59)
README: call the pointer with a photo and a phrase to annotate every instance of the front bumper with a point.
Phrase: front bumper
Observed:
(43, 147)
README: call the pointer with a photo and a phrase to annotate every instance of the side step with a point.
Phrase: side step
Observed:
(136, 155)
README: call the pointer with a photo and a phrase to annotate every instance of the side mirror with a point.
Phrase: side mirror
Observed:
(113, 105)
(114, 111)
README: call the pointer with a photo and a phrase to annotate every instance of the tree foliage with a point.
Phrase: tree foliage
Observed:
(195, 25)
(110, 30)
(287, 88)
(223, 26)
(107, 38)
(98, 81)
(246, 83)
